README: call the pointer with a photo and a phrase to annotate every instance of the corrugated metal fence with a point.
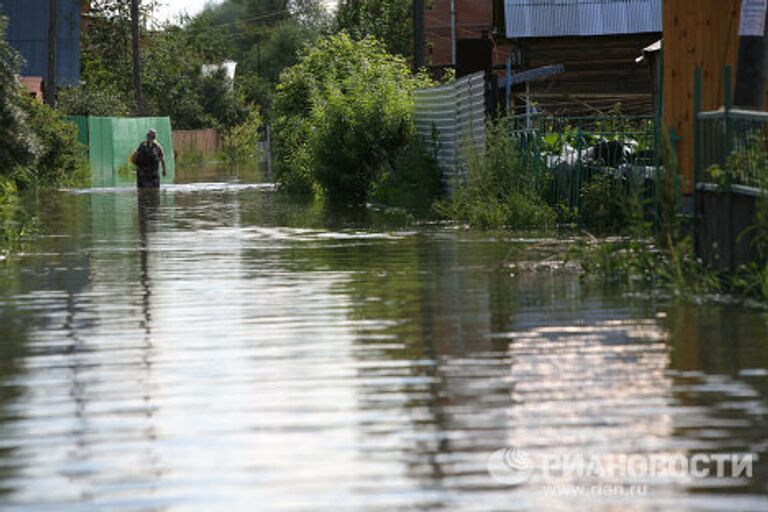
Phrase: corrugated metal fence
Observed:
(450, 116)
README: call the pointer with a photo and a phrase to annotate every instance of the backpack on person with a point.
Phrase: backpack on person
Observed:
(146, 156)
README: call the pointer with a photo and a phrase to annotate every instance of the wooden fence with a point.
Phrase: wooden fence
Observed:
(207, 142)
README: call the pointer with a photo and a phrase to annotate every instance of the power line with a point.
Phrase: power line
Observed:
(247, 20)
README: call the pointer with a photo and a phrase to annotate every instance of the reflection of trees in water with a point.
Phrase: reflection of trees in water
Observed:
(65, 269)
(431, 305)
(83, 278)
(14, 333)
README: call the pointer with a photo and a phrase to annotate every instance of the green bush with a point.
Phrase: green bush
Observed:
(340, 115)
(502, 190)
(241, 143)
(60, 159)
(37, 146)
(413, 181)
(611, 205)
(89, 100)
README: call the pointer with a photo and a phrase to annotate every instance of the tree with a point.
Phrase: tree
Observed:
(387, 20)
(341, 114)
(36, 145)
(16, 139)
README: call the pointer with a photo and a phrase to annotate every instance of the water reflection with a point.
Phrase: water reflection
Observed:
(218, 346)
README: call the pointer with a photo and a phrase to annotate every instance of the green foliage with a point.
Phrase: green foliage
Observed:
(281, 50)
(413, 180)
(389, 21)
(60, 158)
(611, 205)
(192, 158)
(172, 80)
(503, 190)
(670, 266)
(341, 114)
(746, 165)
(15, 223)
(18, 143)
(241, 143)
(88, 100)
(37, 146)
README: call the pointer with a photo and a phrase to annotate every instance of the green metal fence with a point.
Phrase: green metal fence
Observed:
(734, 147)
(112, 140)
(730, 175)
(572, 151)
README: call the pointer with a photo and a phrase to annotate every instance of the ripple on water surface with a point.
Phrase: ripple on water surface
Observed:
(219, 347)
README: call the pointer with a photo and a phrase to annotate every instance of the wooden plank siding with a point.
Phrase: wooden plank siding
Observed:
(696, 34)
(600, 71)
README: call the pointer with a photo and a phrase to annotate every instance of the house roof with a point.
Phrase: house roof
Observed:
(560, 18)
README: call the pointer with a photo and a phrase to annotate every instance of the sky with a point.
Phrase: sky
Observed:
(172, 8)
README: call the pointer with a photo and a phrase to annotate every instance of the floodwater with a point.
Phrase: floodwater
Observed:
(218, 347)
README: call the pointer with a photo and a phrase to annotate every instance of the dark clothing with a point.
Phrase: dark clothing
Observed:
(149, 177)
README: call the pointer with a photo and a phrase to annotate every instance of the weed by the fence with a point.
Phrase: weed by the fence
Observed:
(501, 189)
(191, 158)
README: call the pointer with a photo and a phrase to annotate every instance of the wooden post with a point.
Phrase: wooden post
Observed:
(419, 37)
(697, 84)
(50, 79)
(728, 106)
(750, 72)
(453, 33)
(136, 56)
(508, 88)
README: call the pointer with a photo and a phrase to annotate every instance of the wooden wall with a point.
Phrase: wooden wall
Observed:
(34, 86)
(599, 72)
(702, 34)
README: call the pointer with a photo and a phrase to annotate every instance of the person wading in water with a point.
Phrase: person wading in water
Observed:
(147, 158)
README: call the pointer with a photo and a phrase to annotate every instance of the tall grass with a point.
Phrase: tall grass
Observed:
(502, 190)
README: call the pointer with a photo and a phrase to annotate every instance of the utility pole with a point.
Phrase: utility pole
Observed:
(453, 33)
(419, 37)
(751, 70)
(136, 56)
(50, 80)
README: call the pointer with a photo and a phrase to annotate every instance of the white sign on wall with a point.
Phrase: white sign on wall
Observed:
(753, 18)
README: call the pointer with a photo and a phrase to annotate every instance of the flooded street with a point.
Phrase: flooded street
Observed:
(219, 347)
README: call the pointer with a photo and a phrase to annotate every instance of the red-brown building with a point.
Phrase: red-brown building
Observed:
(34, 86)
(596, 42)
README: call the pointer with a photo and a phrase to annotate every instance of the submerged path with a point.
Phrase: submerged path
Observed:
(216, 347)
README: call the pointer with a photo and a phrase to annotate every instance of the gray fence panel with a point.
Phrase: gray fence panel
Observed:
(450, 117)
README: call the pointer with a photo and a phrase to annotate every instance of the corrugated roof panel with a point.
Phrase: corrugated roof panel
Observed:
(558, 18)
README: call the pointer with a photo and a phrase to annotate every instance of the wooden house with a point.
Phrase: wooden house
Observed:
(597, 43)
